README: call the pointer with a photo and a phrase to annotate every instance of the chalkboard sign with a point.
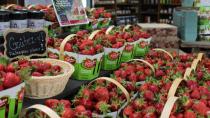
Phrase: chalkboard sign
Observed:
(70, 12)
(25, 42)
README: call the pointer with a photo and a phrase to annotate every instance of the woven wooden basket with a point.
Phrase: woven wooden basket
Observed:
(49, 86)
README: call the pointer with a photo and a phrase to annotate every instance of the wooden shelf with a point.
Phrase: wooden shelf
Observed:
(197, 44)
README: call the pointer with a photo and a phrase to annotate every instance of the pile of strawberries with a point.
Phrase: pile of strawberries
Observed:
(9, 76)
(98, 13)
(133, 72)
(100, 98)
(194, 94)
(38, 68)
(14, 73)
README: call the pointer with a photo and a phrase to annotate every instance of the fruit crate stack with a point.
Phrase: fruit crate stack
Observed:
(164, 35)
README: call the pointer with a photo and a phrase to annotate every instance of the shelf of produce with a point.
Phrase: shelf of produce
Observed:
(197, 44)
(71, 89)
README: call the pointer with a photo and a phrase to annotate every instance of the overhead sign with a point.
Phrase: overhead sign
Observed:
(70, 12)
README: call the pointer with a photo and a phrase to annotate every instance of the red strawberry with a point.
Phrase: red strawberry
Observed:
(102, 107)
(66, 103)
(113, 55)
(136, 115)
(199, 75)
(159, 107)
(68, 113)
(179, 115)
(89, 63)
(87, 103)
(138, 103)
(11, 80)
(10, 68)
(200, 107)
(101, 94)
(149, 95)
(128, 48)
(68, 47)
(189, 114)
(128, 111)
(195, 94)
(154, 88)
(142, 77)
(147, 72)
(80, 109)
(186, 102)
(56, 68)
(52, 103)
(37, 74)
(132, 77)
(159, 73)
(117, 73)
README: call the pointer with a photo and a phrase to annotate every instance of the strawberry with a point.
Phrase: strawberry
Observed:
(101, 94)
(52, 103)
(128, 48)
(87, 103)
(117, 73)
(11, 80)
(80, 109)
(150, 115)
(195, 94)
(102, 107)
(66, 103)
(68, 113)
(200, 107)
(136, 115)
(189, 114)
(147, 72)
(10, 68)
(138, 103)
(141, 77)
(132, 77)
(56, 68)
(154, 88)
(179, 115)
(89, 63)
(128, 111)
(37, 74)
(149, 95)
(68, 47)
(159, 73)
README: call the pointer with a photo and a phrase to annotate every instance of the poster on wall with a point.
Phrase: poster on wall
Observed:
(70, 12)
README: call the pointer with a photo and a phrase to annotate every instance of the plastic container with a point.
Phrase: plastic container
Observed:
(18, 19)
(4, 23)
(36, 19)
(12, 100)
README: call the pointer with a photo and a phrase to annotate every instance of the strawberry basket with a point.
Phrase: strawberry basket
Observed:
(39, 87)
(103, 98)
(12, 90)
(87, 61)
(113, 48)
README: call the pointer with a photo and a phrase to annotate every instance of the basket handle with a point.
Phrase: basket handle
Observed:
(9, 6)
(109, 29)
(174, 86)
(168, 107)
(114, 82)
(194, 64)
(68, 38)
(145, 62)
(200, 56)
(187, 73)
(162, 50)
(93, 34)
(45, 109)
(126, 27)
